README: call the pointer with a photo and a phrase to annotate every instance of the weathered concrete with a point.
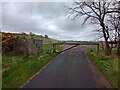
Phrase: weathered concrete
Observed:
(28, 47)
(39, 44)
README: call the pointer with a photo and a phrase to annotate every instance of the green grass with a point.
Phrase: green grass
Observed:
(48, 48)
(18, 69)
(108, 65)
(45, 40)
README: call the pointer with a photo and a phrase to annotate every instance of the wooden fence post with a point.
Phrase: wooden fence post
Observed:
(97, 48)
(54, 48)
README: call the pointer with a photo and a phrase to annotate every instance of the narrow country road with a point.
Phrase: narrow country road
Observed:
(69, 70)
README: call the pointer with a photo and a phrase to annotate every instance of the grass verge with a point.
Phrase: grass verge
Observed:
(18, 69)
(108, 65)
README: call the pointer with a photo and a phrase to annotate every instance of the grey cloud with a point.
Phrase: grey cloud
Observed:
(44, 18)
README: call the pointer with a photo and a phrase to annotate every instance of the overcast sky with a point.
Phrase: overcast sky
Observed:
(42, 18)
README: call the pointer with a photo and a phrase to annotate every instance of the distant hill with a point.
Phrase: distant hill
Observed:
(45, 40)
(7, 37)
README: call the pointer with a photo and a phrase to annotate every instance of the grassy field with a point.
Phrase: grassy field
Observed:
(45, 40)
(108, 65)
(18, 69)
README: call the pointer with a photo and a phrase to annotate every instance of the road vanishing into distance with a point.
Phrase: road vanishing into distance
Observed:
(70, 69)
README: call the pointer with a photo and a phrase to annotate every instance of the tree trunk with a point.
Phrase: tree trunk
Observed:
(107, 49)
(102, 45)
(107, 46)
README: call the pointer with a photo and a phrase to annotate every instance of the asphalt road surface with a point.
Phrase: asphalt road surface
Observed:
(69, 70)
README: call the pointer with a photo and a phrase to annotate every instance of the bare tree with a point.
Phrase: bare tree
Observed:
(97, 12)
(114, 28)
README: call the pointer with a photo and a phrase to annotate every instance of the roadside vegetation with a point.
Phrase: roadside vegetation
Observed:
(108, 65)
(17, 69)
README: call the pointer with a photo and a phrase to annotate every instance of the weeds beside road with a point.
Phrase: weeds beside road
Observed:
(108, 65)
(18, 69)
